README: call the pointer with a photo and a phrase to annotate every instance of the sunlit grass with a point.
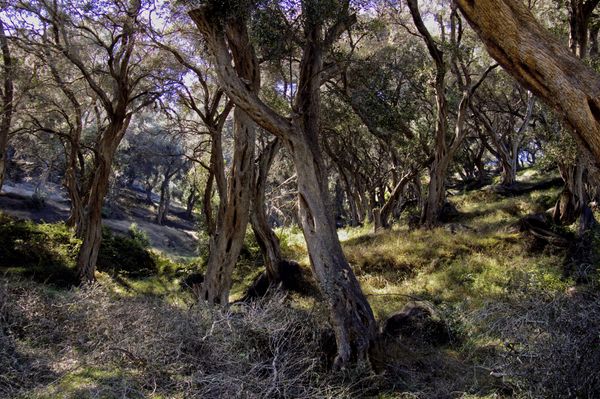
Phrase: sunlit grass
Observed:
(481, 261)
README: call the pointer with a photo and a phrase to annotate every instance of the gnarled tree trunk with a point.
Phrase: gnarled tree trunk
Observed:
(7, 102)
(91, 234)
(382, 215)
(541, 63)
(573, 198)
(225, 245)
(190, 203)
(351, 315)
(265, 236)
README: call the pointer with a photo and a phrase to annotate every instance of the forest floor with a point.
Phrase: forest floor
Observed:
(520, 323)
(177, 238)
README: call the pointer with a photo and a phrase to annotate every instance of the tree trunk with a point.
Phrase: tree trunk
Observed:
(594, 29)
(354, 214)
(353, 320)
(572, 199)
(7, 103)
(437, 172)
(190, 203)
(227, 242)
(76, 215)
(436, 195)
(265, 236)
(165, 199)
(541, 63)
(508, 172)
(91, 234)
(351, 315)
(150, 184)
(580, 12)
(382, 215)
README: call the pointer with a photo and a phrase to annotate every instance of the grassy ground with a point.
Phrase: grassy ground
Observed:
(519, 326)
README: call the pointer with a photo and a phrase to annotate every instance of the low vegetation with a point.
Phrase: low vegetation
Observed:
(517, 325)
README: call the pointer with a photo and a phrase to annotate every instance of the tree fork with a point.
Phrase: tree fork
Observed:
(351, 315)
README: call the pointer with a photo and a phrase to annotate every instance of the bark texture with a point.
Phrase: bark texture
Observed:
(265, 236)
(7, 101)
(226, 243)
(351, 315)
(382, 215)
(541, 63)
(91, 234)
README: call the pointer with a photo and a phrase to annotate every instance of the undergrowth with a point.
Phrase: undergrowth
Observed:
(519, 326)
(92, 343)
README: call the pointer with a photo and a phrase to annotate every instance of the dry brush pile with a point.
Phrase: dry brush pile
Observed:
(90, 343)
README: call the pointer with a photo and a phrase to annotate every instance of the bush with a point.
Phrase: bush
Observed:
(139, 235)
(122, 254)
(44, 252)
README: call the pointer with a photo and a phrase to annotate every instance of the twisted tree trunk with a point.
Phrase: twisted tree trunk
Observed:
(7, 102)
(99, 182)
(541, 63)
(190, 203)
(265, 236)
(351, 315)
(230, 230)
(382, 215)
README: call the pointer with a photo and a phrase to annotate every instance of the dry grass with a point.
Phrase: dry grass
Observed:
(519, 327)
(88, 344)
(544, 346)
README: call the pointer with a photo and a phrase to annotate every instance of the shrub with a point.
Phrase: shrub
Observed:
(139, 235)
(44, 252)
(122, 254)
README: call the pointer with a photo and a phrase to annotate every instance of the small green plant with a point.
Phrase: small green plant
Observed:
(139, 235)
(45, 252)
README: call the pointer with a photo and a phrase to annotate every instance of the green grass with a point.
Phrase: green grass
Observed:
(479, 274)
(478, 263)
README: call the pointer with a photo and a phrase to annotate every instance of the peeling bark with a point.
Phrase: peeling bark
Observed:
(265, 236)
(230, 229)
(351, 315)
(99, 183)
(7, 101)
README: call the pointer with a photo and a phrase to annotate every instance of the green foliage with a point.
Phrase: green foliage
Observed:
(44, 252)
(139, 235)
(128, 255)
(47, 252)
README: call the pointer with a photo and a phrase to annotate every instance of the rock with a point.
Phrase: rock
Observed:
(418, 321)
